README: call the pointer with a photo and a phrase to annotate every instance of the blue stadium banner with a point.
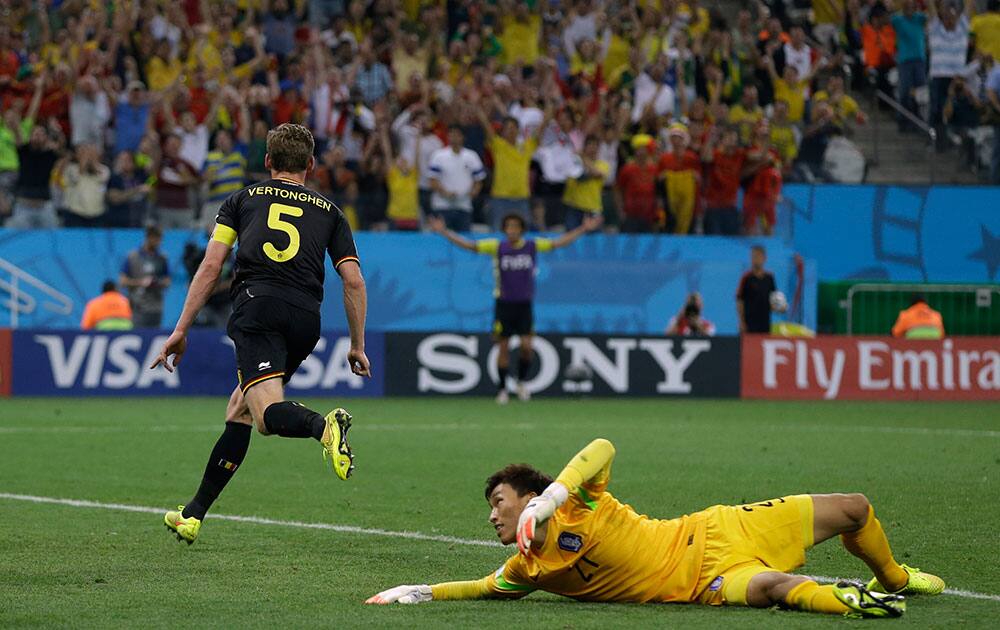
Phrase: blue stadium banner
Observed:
(567, 365)
(74, 363)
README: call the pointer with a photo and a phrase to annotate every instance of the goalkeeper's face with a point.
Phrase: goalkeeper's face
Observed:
(506, 506)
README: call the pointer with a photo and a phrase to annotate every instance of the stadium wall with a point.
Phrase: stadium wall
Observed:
(903, 234)
(613, 284)
(64, 363)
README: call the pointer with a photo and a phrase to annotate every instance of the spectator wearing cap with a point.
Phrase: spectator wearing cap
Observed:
(911, 57)
(84, 182)
(457, 176)
(636, 188)
(146, 275)
(724, 159)
(948, 41)
(680, 169)
(582, 194)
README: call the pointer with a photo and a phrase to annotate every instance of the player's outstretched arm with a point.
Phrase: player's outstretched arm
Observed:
(592, 464)
(356, 309)
(589, 224)
(437, 226)
(202, 286)
(485, 588)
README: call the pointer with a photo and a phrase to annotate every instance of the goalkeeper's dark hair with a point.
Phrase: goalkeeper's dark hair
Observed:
(521, 477)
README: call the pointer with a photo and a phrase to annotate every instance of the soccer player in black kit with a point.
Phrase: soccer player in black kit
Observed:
(285, 231)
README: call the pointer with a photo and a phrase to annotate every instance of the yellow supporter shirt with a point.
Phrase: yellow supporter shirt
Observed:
(986, 28)
(783, 139)
(794, 95)
(745, 119)
(617, 58)
(844, 108)
(404, 204)
(598, 549)
(161, 74)
(511, 165)
(826, 11)
(520, 40)
(585, 193)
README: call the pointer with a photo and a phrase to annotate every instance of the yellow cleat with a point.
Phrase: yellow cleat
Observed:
(335, 445)
(919, 583)
(186, 529)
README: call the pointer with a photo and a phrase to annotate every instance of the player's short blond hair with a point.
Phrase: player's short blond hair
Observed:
(290, 146)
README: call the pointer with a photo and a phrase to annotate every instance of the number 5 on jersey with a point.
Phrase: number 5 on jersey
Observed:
(275, 222)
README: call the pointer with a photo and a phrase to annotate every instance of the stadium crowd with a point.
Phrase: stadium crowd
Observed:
(661, 114)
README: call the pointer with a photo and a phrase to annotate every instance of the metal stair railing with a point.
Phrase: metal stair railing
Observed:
(19, 302)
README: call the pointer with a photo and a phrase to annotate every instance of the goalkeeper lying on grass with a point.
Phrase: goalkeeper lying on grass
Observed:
(577, 540)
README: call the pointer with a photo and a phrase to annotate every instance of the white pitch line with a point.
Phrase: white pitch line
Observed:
(351, 529)
(978, 433)
(957, 592)
(256, 520)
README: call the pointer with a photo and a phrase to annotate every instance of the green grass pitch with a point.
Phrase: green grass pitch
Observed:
(931, 470)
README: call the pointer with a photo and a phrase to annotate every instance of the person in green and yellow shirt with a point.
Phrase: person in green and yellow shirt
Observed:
(582, 195)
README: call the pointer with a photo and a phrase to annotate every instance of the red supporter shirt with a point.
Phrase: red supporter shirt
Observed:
(724, 179)
(638, 186)
(687, 161)
(766, 182)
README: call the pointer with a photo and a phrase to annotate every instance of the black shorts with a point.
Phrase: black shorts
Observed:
(272, 338)
(513, 318)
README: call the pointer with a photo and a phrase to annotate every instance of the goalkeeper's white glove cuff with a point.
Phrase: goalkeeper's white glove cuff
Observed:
(557, 492)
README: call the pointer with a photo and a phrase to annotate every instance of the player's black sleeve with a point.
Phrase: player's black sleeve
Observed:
(341, 247)
(229, 214)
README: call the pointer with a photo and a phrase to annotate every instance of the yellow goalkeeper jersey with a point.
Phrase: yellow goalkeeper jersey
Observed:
(599, 549)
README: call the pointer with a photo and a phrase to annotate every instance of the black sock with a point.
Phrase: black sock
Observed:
(502, 373)
(225, 459)
(290, 419)
(523, 366)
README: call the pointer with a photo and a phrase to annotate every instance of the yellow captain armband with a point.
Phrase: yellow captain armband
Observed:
(224, 234)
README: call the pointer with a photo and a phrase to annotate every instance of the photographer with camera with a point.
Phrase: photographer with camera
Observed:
(689, 322)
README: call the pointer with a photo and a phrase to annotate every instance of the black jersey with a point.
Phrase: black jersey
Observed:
(284, 232)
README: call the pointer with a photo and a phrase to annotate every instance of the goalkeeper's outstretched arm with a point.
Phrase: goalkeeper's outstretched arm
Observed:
(591, 465)
(486, 588)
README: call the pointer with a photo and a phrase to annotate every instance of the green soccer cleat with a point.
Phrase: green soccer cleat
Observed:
(186, 529)
(919, 583)
(864, 603)
(335, 444)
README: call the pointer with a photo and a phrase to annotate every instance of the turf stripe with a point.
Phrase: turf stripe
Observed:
(350, 529)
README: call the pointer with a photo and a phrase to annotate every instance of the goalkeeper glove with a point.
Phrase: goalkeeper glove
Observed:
(539, 510)
(406, 594)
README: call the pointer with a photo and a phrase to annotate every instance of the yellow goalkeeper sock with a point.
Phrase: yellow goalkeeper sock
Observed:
(870, 544)
(812, 597)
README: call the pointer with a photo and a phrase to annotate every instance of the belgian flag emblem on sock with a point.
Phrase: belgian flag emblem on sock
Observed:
(228, 465)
